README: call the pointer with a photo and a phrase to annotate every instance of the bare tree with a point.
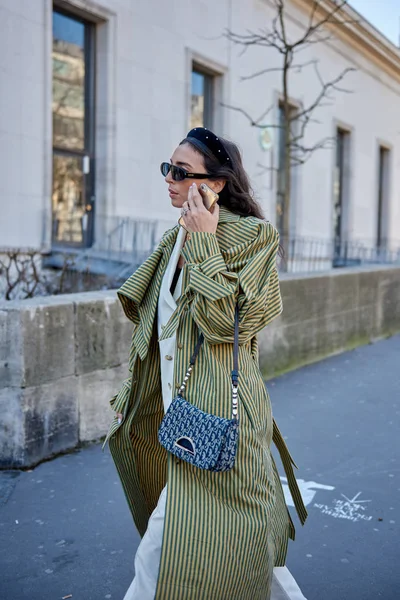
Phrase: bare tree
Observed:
(322, 20)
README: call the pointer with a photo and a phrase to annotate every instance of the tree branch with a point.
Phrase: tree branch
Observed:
(329, 18)
(296, 68)
(319, 28)
(253, 122)
(324, 93)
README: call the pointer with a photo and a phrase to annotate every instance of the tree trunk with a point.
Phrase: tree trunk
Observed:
(287, 166)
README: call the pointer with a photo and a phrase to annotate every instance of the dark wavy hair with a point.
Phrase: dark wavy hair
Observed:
(237, 195)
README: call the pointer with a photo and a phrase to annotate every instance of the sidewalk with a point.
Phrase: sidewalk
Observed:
(65, 528)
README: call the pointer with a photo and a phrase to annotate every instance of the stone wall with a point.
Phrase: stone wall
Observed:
(327, 313)
(63, 357)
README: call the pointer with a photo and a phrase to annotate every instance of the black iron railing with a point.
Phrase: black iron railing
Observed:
(305, 254)
(121, 244)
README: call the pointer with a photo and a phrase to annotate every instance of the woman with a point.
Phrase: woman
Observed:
(205, 535)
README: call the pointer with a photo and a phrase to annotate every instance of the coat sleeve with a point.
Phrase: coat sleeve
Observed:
(118, 401)
(132, 292)
(251, 279)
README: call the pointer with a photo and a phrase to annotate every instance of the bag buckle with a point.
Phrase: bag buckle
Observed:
(186, 444)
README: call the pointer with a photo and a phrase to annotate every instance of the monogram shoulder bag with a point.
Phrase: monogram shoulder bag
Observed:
(203, 439)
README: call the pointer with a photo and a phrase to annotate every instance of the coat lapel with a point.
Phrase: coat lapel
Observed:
(170, 270)
(139, 294)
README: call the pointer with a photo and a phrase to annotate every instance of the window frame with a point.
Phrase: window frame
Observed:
(295, 107)
(90, 85)
(383, 194)
(89, 142)
(340, 237)
(217, 71)
(209, 85)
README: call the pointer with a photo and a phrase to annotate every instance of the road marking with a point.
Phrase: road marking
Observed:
(306, 489)
(351, 509)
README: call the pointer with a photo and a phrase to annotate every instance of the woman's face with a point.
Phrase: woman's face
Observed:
(190, 160)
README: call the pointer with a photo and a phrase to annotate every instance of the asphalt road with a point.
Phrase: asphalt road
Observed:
(65, 527)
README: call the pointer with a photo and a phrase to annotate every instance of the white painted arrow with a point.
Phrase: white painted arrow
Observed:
(308, 490)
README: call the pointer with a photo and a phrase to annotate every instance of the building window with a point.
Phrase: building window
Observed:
(340, 193)
(383, 196)
(73, 130)
(202, 98)
(284, 210)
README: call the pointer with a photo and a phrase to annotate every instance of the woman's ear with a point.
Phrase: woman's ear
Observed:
(217, 186)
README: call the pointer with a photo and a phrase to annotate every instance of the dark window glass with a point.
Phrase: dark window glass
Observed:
(341, 198)
(338, 189)
(73, 130)
(68, 199)
(68, 82)
(201, 100)
(383, 186)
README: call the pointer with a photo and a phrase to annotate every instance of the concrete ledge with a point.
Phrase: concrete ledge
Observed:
(61, 360)
(102, 333)
(94, 392)
(63, 357)
(327, 313)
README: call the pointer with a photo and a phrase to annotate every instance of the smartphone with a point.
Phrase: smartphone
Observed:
(209, 198)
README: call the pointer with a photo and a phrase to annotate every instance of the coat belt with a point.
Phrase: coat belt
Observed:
(288, 464)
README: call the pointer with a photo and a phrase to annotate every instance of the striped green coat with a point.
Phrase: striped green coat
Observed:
(223, 532)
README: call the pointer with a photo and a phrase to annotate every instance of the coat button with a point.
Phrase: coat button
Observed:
(168, 357)
(180, 346)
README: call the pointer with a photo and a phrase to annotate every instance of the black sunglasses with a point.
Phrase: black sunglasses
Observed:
(179, 174)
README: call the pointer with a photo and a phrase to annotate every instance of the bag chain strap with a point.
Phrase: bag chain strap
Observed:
(235, 371)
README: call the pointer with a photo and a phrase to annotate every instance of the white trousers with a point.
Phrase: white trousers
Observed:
(148, 556)
(284, 586)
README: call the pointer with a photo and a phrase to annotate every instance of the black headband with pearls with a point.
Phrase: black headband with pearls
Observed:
(206, 139)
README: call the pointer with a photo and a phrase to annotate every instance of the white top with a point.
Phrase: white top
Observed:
(166, 307)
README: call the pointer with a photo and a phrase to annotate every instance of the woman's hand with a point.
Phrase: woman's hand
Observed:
(195, 214)
(119, 417)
